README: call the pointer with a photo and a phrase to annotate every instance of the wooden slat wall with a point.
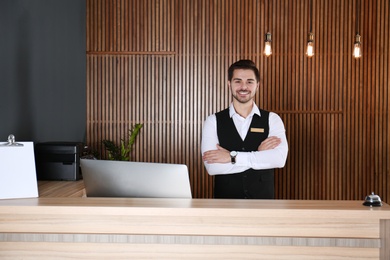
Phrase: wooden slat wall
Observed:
(163, 63)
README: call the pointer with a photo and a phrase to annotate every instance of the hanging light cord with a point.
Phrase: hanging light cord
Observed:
(268, 16)
(357, 16)
(311, 15)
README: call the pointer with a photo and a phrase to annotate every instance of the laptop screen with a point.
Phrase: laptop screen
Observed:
(104, 178)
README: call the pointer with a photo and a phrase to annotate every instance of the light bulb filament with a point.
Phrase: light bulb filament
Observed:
(357, 48)
(267, 47)
(310, 46)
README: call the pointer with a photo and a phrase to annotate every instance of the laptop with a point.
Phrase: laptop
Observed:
(105, 178)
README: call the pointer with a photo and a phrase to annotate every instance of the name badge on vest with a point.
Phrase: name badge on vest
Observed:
(257, 130)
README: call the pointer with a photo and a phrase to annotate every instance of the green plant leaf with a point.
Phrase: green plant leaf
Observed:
(123, 151)
(113, 150)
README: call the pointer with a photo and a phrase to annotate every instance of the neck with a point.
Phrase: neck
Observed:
(243, 109)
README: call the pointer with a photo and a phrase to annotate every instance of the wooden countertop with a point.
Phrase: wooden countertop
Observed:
(61, 188)
(63, 210)
(75, 189)
(195, 216)
(322, 205)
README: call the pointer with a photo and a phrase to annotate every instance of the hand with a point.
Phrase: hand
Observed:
(221, 155)
(269, 143)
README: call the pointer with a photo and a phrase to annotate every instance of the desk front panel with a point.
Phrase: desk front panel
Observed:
(197, 228)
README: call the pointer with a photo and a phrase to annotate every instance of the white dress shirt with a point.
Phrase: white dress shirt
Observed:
(258, 160)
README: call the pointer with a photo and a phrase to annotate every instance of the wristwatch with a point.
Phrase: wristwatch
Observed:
(233, 155)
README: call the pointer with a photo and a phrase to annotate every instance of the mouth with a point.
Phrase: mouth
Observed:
(243, 92)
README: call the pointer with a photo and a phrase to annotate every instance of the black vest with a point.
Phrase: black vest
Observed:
(250, 184)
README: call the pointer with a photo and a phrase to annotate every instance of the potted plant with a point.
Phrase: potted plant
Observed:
(123, 151)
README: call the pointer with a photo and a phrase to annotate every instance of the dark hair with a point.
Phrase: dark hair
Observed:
(246, 65)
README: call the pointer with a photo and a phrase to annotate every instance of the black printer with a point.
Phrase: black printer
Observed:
(58, 160)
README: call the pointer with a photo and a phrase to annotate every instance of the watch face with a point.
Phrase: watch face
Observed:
(233, 153)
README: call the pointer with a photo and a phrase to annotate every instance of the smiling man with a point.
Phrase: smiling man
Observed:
(242, 144)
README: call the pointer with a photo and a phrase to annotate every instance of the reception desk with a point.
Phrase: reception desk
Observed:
(120, 228)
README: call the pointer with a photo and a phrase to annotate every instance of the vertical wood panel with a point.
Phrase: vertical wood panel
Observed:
(164, 63)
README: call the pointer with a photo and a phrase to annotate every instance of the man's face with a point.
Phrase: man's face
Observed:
(243, 85)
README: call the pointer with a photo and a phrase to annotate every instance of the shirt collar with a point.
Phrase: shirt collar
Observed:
(255, 110)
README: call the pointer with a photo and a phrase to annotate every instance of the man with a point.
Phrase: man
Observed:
(242, 144)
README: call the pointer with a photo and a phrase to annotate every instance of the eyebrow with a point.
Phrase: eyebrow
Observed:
(241, 79)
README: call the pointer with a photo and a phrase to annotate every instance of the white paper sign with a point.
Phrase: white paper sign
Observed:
(18, 178)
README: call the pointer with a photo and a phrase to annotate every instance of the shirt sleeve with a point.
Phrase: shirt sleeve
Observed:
(275, 158)
(268, 159)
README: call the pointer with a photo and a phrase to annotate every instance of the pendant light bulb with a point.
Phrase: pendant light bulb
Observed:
(310, 46)
(267, 47)
(357, 48)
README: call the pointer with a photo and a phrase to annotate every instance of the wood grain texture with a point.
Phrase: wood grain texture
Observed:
(124, 228)
(164, 64)
(385, 238)
(343, 219)
(61, 188)
(41, 250)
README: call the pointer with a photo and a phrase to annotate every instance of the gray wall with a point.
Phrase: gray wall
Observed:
(43, 70)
